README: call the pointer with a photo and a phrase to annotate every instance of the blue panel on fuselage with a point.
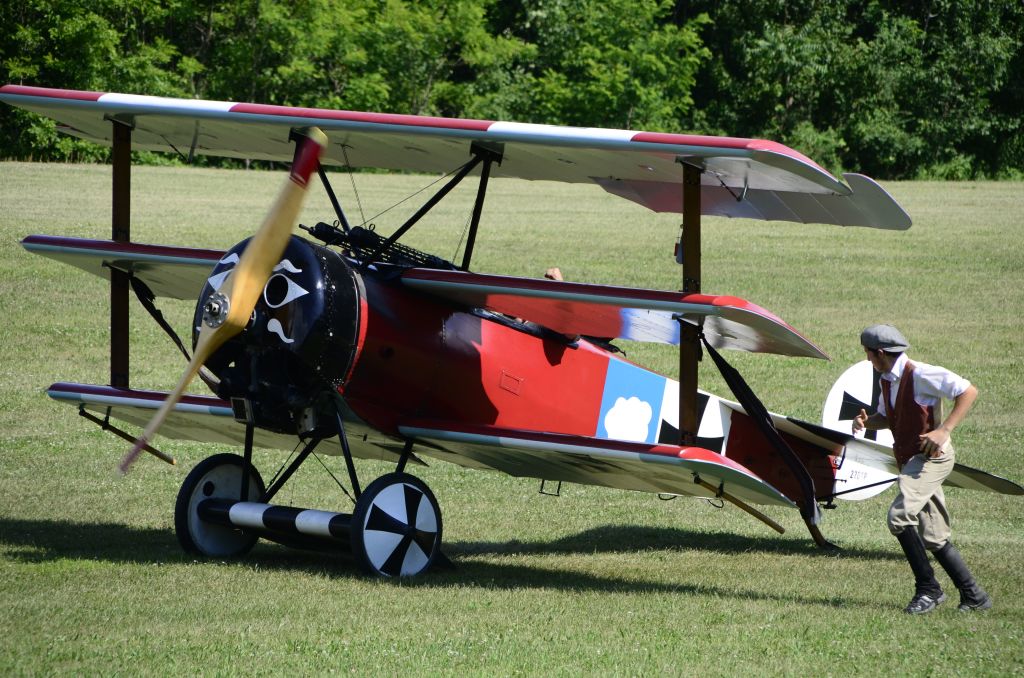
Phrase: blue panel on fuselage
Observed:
(631, 403)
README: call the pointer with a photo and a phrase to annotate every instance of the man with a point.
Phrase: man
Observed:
(911, 407)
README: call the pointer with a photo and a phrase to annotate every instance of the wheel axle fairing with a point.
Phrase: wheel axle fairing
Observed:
(302, 338)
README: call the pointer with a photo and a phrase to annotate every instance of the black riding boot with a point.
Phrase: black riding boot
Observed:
(927, 592)
(972, 596)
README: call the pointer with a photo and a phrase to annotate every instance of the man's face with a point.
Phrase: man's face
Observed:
(878, 359)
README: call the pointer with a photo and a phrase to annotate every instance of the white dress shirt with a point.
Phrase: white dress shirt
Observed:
(931, 384)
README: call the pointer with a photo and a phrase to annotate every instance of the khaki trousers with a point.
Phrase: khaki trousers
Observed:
(921, 503)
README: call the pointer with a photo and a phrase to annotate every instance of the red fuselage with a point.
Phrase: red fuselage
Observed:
(422, 358)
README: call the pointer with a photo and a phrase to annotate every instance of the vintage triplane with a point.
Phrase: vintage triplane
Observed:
(346, 342)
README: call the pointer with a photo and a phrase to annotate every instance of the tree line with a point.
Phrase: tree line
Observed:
(897, 89)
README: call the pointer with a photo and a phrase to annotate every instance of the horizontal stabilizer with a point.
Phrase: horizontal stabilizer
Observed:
(879, 456)
(875, 460)
(592, 461)
(748, 178)
(618, 312)
(176, 272)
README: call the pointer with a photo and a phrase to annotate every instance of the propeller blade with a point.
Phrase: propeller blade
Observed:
(228, 310)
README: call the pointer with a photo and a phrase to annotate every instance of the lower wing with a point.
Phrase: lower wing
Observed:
(592, 461)
(210, 420)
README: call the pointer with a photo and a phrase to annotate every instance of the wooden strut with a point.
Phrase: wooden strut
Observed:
(121, 159)
(107, 426)
(689, 334)
(740, 504)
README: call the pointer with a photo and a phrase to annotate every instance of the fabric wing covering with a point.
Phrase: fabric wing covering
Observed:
(745, 178)
(618, 312)
(592, 461)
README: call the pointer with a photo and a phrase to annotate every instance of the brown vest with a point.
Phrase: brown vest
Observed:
(907, 419)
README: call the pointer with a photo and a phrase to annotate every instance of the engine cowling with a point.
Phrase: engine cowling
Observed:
(300, 343)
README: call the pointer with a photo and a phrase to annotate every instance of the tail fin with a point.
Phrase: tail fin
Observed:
(857, 389)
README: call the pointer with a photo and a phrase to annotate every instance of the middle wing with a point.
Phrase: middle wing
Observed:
(618, 312)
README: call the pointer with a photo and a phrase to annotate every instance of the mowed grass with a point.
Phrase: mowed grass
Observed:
(92, 580)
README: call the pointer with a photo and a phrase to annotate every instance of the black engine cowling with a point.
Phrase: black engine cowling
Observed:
(301, 340)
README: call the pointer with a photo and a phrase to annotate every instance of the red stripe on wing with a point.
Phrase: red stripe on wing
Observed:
(73, 94)
(356, 116)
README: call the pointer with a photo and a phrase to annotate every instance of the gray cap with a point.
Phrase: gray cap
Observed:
(885, 337)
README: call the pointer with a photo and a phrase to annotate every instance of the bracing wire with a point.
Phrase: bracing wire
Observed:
(465, 230)
(352, 178)
(412, 195)
(335, 478)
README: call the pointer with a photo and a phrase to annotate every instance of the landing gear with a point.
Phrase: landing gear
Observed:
(396, 527)
(395, 530)
(217, 477)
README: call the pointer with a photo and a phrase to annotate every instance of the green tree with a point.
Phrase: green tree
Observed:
(894, 89)
(89, 45)
(609, 63)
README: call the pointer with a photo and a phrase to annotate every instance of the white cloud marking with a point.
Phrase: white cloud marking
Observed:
(629, 419)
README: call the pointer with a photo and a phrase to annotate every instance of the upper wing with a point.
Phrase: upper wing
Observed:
(177, 272)
(748, 178)
(591, 461)
(622, 312)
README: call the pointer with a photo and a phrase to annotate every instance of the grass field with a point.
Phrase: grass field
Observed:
(92, 580)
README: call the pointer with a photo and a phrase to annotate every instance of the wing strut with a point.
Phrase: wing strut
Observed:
(121, 231)
(480, 154)
(689, 333)
(489, 157)
(722, 494)
(755, 409)
(333, 198)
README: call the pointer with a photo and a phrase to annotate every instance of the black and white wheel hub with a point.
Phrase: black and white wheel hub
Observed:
(396, 527)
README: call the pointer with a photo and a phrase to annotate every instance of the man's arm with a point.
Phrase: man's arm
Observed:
(933, 441)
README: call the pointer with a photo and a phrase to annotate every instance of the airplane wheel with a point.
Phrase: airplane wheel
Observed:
(396, 527)
(220, 477)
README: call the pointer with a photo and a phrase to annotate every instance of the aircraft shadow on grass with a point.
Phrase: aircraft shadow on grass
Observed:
(37, 541)
(632, 538)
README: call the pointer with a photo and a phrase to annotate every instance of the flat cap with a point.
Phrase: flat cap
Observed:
(885, 337)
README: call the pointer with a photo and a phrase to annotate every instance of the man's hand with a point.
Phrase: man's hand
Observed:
(933, 442)
(860, 421)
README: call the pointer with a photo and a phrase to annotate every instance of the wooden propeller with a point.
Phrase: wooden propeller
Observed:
(228, 310)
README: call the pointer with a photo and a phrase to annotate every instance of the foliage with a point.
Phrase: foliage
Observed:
(893, 89)
(609, 63)
(923, 89)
